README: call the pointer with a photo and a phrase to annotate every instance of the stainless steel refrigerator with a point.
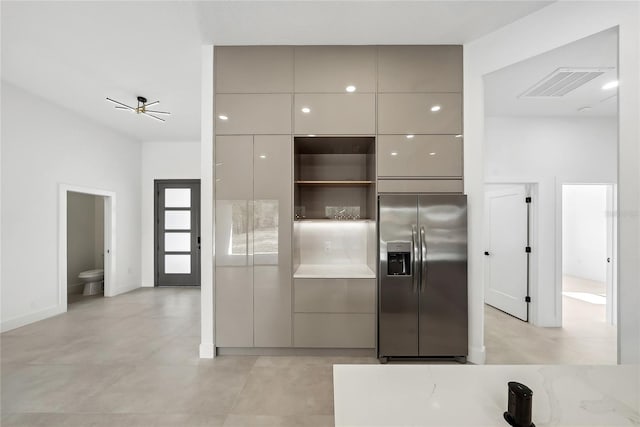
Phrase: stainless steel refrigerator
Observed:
(422, 276)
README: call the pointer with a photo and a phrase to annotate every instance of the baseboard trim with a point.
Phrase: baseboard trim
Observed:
(121, 290)
(19, 321)
(477, 355)
(207, 350)
(289, 351)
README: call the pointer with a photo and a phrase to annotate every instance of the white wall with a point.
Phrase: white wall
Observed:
(584, 231)
(43, 146)
(84, 234)
(563, 23)
(162, 160)
(549, 152)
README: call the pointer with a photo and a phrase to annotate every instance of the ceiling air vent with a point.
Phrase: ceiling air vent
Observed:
(562, 81)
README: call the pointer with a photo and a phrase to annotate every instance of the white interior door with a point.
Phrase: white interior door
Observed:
(505, 243)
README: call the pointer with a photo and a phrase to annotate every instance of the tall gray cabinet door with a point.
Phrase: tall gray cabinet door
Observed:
(272, 183)
(234, 241)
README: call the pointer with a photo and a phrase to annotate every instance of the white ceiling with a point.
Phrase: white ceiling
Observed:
(503, 87)
(76, 54)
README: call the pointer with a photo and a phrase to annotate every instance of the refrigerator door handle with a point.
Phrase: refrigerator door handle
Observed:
(416, 258)
(423, 261)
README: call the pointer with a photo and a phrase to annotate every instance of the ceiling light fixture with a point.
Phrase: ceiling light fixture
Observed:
(306, 110)
(435, 108)
(610, 85)
(141, 108)
(350, 88)
(410, 136)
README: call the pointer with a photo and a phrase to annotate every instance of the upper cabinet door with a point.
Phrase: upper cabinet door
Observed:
(242, 114)
(420, 156)
(331, 69)
(254, 69)
(421, 113)
(335, 114)
(420, 68)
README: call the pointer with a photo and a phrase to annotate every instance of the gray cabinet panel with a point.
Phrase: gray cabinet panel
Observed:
(335, 295)
(420, 186)
(272, 240)
(234, 306)
(411, 113)
(420, 68)
(335, 114)
(334, 330)
(333, 68)
(254, 69)
(419, 156)
(267, 114)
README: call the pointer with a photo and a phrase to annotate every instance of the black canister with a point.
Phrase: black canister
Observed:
(519, 405)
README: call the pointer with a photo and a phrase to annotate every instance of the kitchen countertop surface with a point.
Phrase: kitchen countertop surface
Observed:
(476, 395)
(334, 271)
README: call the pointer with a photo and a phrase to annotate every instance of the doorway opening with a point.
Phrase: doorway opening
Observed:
(86, 242)
(588, 262)
(177, 232)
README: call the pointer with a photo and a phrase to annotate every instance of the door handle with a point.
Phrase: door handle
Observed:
(415, 255)
(423, 245)
(608, 259)
(486, 253)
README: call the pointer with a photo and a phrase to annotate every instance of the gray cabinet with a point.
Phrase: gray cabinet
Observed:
(253, 69)
(242, 114)
(419, 113)
(331, 69)
(335, 114)
(335, 295)
(432, 156)
(420, 69)
(334, 330)
(253, 241)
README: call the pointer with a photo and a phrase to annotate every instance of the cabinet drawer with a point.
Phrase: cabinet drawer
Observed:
(254, 69)
(253, 114)
(334, 330)
(420, 186)
(420, 69)
(335, 114)
(420, 156)
(335, 295)
(324, 69)
(410, 113)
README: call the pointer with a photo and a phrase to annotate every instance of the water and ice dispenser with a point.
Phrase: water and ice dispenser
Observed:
(399, 259)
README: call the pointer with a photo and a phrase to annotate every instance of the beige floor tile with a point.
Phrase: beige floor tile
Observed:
(294, 390)
(111, 420)
(278, 421)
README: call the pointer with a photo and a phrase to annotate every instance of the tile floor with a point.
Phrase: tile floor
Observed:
(585, 337)
(133, 360)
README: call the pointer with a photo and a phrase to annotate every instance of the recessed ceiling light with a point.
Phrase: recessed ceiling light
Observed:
(432, 154)
(263, 156)
(459, 135)
(394, 153)
(435, 108)
(584, 109)
(610, 85)
(350, 88)
(306, 110)
(410, 136)
(223, 117)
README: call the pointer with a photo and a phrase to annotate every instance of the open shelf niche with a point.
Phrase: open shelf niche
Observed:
(334, 178)
(335, 208)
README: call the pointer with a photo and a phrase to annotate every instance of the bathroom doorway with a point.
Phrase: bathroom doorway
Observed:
(86, 226)
(85, 246)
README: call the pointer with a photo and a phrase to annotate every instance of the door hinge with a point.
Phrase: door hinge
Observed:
(528, 249)
(527, 199)
(527, 299)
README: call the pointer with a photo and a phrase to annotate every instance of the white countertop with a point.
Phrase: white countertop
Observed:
(476, 395)
(334, 271)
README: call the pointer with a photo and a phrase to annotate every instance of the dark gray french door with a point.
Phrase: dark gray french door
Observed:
(177, 234)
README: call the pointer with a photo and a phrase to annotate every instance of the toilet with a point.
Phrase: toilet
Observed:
(92, 280)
